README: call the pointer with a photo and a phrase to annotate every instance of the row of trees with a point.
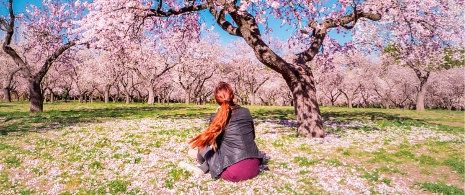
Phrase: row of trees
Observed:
(132, 45)
(353, 80)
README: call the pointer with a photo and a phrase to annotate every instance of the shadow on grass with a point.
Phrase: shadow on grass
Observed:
(54, 119)
(381, 119)
(22, 121)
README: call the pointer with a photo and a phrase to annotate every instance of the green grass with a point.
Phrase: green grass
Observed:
(441, 188)
(83, 138)
(15, 117)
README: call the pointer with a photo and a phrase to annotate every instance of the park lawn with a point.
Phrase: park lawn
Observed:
(97, 148)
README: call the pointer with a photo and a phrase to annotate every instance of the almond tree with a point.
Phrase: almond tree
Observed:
(328, 82)
(49, 32)
(246, 73)
(312, 21)
(199, 65)
(56, 77)
(84, 74)
(151, 60)
(418, 34)
(8, 71)
(447, 89)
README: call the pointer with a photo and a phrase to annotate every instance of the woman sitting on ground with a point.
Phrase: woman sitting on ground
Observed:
(227, 148)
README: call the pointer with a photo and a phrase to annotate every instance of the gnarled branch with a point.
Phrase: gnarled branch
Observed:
(320, 31)
(159, 13)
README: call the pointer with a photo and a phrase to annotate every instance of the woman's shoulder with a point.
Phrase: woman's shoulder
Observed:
(241, 111)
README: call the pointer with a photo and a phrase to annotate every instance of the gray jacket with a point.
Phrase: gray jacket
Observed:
(236, 143)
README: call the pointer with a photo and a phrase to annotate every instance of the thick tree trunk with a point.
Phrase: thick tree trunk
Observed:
(7, 94)
(151, 99)
(35, 96)
(310, 123)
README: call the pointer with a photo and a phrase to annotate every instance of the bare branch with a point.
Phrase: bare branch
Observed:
(158, 13)
(320, 31)
(3, 24)
(344, 21)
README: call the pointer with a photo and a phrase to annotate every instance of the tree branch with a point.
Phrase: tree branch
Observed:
(158, 13)
(320, 31)
(48, 63)
(223, 23)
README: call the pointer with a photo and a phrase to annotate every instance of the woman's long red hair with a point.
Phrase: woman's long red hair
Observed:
(224, 96)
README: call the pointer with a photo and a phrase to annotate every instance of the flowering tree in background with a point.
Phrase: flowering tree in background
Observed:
(49, 31)
(199, 65)
(84, 74)
(8, 70)
(419, 35)
(276, 92)
(57, 76)
(328, 83)
(150, 61)
(246, 73)
(447, 93)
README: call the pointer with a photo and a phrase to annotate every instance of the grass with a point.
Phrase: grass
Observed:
(115, 148)
(16, 118)
(441, 188)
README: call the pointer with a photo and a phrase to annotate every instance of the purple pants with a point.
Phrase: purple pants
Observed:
(242, 170)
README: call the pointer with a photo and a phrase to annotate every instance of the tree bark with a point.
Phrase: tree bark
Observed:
(151, 99)
(252, 99)
(35, 96)
(128, 98)
(107, 94)
(310, 123)
(7, 93)
(386, 104)
(420, 103)
(51, 96)
(80, 98)
(188, 98)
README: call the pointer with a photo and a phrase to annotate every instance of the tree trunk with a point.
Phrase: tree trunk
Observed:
(420, 103)
(7, 93)
(310, 123)
(128, 99)
(107, 94)
(252, 99)
(151, 95)
(35, 97)
(51, 96)
(80, 98)
(187, 101)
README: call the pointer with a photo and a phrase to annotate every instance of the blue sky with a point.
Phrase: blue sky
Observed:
(279, 32)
